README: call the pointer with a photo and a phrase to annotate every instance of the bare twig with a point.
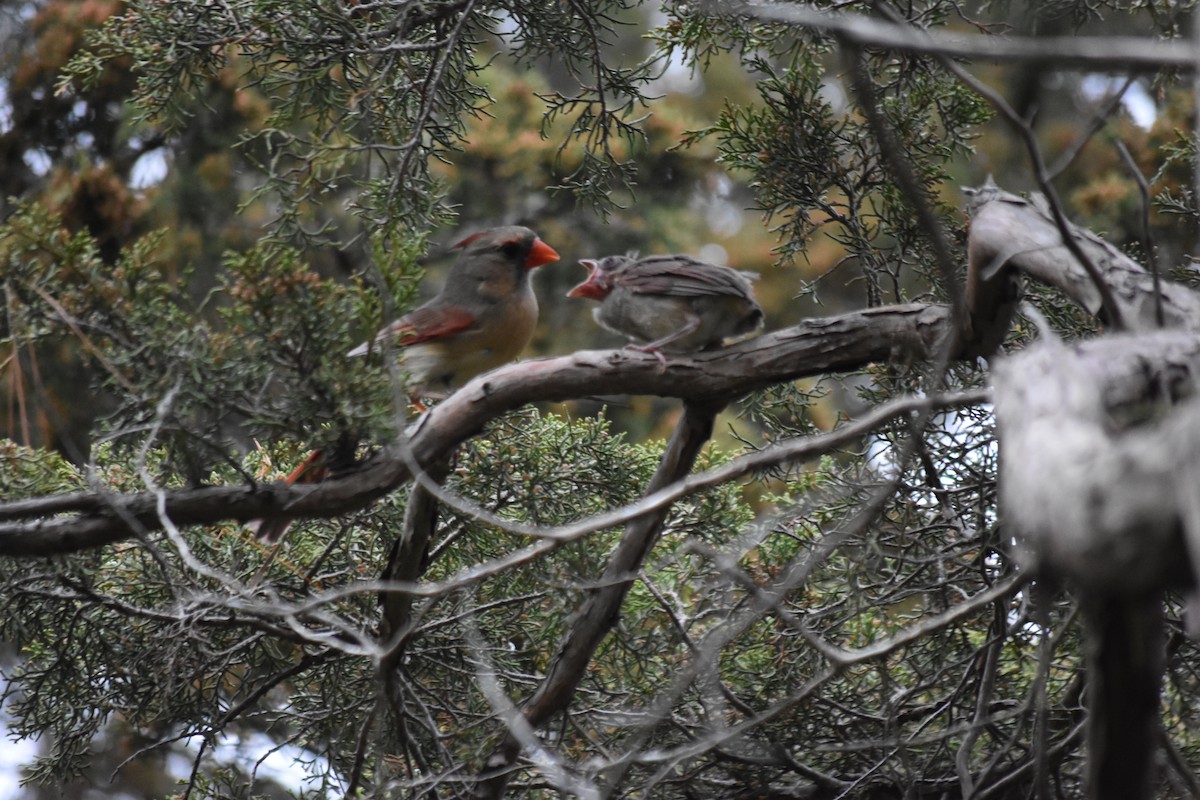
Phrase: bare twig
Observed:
(913, 190)
(432, 86)
(360, 750)
(992, 652)
(599, 612)
(84, 340)
(1108, 303)
(1147, 235)
(1097, 123)
(1100, 53)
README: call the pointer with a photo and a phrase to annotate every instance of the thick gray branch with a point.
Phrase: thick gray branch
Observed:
(1011, 233)
(1125, 663)
(906, 333)
(1097, 464)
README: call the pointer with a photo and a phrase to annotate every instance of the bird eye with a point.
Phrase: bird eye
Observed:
(511, 249)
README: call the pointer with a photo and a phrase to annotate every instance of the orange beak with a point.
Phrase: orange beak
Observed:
(591, 289)
(541, 253)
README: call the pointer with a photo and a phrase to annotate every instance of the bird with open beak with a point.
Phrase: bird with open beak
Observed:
(670, 303)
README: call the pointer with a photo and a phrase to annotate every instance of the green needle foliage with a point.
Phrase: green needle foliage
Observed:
(812, 630)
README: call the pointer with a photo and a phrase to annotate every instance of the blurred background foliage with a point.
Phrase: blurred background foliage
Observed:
(208, 203)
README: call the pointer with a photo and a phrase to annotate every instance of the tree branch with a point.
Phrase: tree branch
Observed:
(1119, 53)
(1098, 463)
(600, 612)
(1008, 231)
(906, 333)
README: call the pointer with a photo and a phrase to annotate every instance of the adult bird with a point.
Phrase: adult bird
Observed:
(670, 303)
(483, 317)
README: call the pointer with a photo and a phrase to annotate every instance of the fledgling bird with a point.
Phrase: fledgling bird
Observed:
(483, 317)
(672, 303)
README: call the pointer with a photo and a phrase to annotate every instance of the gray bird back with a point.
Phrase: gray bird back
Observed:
(684, 276)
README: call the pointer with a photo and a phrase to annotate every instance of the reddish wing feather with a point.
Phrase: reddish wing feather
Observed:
(684, 276)
(426, 324)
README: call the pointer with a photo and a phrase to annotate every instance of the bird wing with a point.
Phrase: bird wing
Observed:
(424, 324)
(684, 276)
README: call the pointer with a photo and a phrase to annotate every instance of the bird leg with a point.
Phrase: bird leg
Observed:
(645, 348)
(654, 347)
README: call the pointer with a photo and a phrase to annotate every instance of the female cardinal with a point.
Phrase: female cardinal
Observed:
(672, 303)
(483, 317)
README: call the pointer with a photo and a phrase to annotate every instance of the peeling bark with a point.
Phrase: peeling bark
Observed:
(1092, 446)
(1099, 460)
(1013, 234)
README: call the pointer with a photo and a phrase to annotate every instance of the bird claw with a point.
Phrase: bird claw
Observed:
(654, 351)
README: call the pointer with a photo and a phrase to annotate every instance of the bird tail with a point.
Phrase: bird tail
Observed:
(312, 469)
